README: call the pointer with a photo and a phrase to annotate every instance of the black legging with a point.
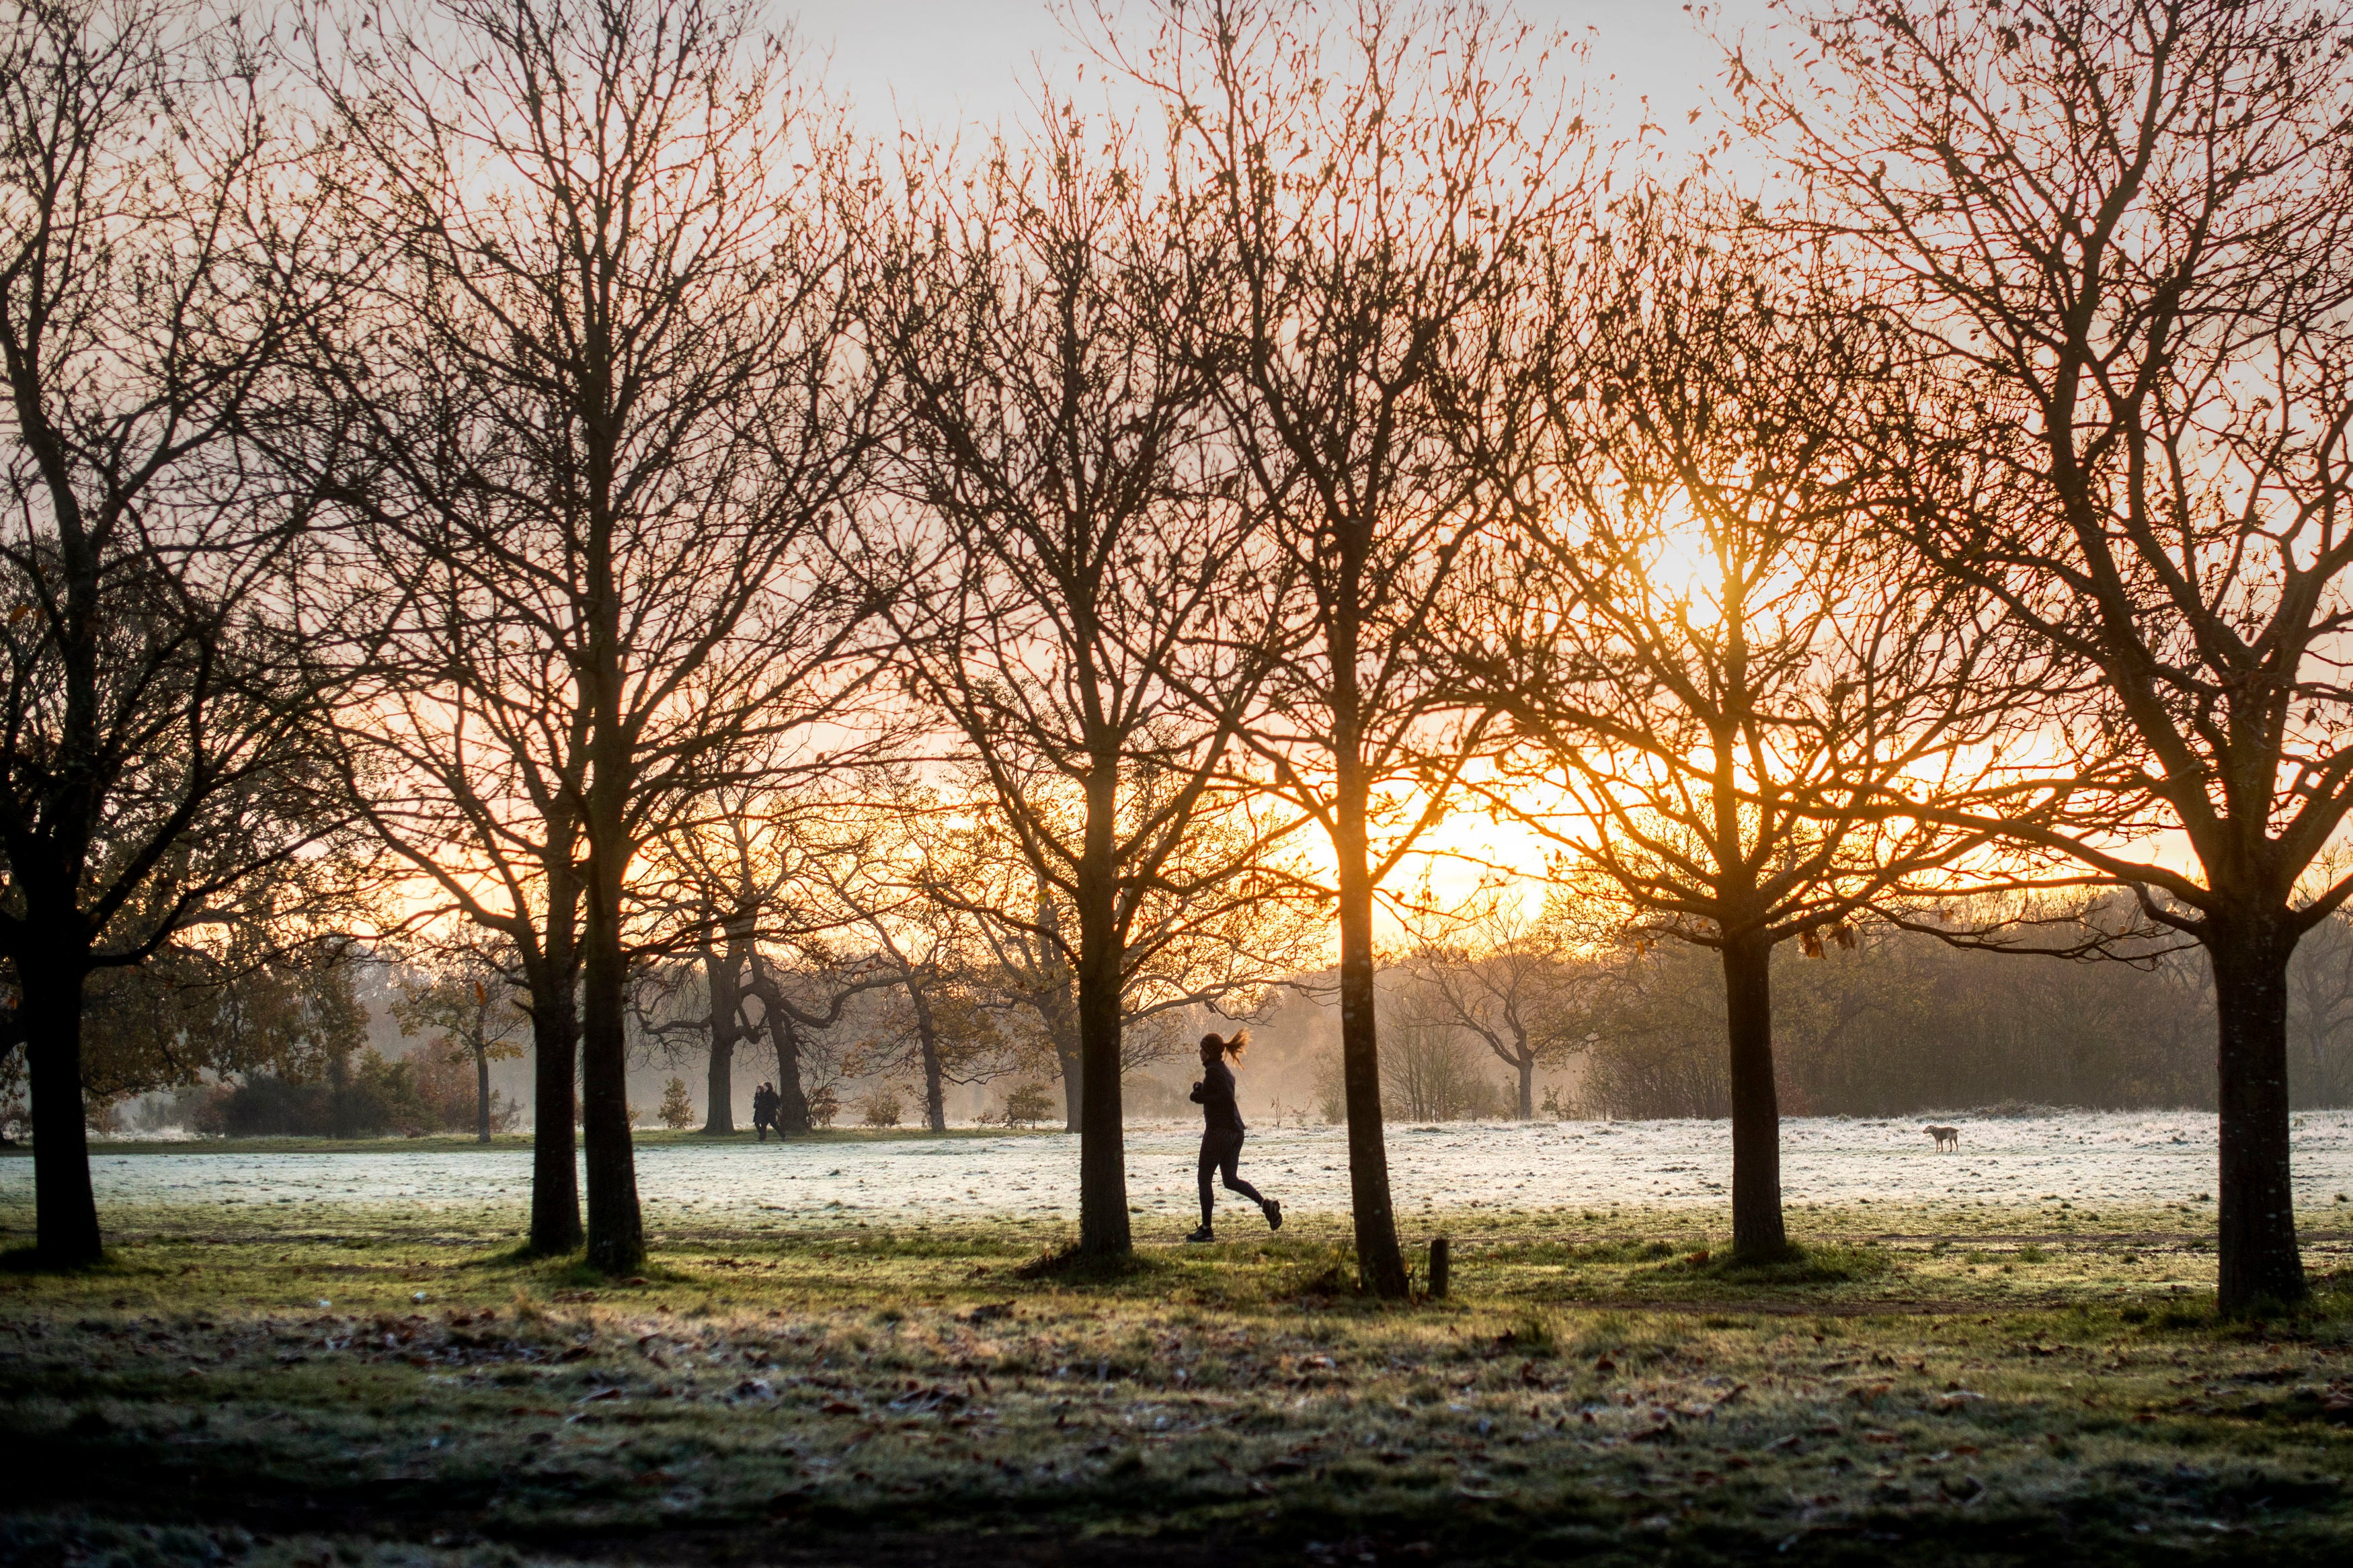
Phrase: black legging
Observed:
(1222, 1151)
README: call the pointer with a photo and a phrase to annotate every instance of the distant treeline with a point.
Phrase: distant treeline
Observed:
(1904, 1023)
(1899, 1023)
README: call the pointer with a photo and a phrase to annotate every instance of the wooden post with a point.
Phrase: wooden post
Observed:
(1441, 1257)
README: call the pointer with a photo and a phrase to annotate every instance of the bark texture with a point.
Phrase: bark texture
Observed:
(2260, 1265)
(1758, 1232)
(1380, 1265)
(1103, 1159)
(66, 1231)
(617, 1239)
(481, 1095)
(723, 973)
(927, 1045)
(556, 1047)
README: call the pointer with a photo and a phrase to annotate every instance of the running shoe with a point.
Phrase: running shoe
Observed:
(1203, 1234)
(1274, 1213)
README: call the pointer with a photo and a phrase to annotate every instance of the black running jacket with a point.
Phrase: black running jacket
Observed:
(1215, 1095)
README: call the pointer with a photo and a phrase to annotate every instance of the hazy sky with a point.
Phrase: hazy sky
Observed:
(944, 62)
(941, 64)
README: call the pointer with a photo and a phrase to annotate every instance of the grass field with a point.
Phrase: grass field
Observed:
(324, 1387)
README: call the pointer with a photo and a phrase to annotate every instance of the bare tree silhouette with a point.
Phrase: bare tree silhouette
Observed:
(1722, 670)
(1074, 544)
(1373, 194)
(607, 411)
(157, 707)
(2114, 236)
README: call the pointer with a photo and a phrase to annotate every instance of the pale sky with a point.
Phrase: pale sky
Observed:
(947, 63)
(950, 65)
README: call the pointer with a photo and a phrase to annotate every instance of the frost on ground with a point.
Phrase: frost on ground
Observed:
(2123, 1158)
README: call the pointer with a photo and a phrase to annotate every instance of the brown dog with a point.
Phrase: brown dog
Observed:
(1946, 1137)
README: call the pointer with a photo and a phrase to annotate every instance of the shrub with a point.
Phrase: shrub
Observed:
(1140, 1094)
(267, 1106)
(1027, 1104)
(1331, 1088)
(883, 1108)
(677, 1108)
(824, 1106)
(367, 1098)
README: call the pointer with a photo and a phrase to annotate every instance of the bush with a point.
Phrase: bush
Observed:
(883, 1108)
(1140, 1094)
(677, 1108)
(1432, 1071)
(1027, 1104)
(432, 1091)
(267, 1106)
(824, 1106)
(1331, 1088)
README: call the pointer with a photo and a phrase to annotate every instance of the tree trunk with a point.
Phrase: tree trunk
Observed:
(1380, 1265)
(1059, 1009)
(719, 1083)
(1071, 1057)
(927, 1045)
(792, 1105)
(65, 1209)
(555, 1047)
(1756, 1227)
(2260, 1267)
(721, 977)
(481, 1094)
(616, 1237)
(1103, 1159)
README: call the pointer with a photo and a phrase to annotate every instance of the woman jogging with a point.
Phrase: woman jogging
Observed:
(1221, 1137)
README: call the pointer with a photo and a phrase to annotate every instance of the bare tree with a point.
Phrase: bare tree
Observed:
(463, 750)
(1373, 194)
(1431, 1061)
(1219, 931)
(941, 1027)
(2115, 233)
(1507, 980)
(768, 863)
(1720, 672)
(607, 408)
(155, 704)
(467, 1001)
(1079, 541)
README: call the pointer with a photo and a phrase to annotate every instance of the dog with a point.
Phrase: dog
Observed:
(1946, 1137)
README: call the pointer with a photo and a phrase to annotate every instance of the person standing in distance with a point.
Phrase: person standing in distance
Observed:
(1221, 1136)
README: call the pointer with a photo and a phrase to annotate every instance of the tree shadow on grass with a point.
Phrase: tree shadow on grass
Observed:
(1067, 1265)
(572, 1272)
(27, 1260)
(524, 1258)
(1796, 1264)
